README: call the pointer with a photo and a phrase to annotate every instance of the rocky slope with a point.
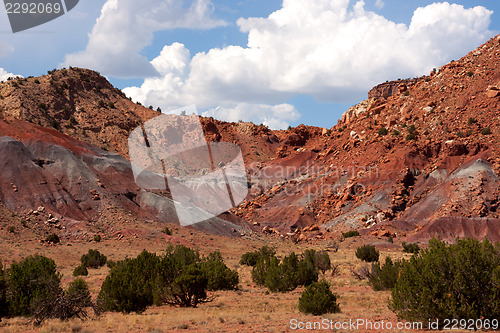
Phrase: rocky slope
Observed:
(419, 158)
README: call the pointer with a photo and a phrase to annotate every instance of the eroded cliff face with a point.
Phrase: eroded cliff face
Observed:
(391, 88)
(417, 159)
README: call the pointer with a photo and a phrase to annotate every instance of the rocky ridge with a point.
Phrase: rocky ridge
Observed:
(417, 161)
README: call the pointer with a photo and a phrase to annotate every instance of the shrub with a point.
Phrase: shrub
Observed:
(129, 285)
(181, 277)
(486, 131)
(101, 103)
(471, 121)
(470, 74)
(111, 105)
(93, 259)
(411, 129)
(80, 270)
(97, 238)
(52, 238)
(70, 304)
(352, 233)
(406, 93)
(110, 263)
(458, 281)
(12, 229)
(410, 247)
(383, 131)
(286, 275)
(3, 293)
(167, 231)
(318, 299)
(367, 253)
(411, 136)
(54, 124)
(282, 277)
(32, 282)
(251, 258)
(219, 276)
(322, 261)
(385, 277)
(395, 132)
(37, 81)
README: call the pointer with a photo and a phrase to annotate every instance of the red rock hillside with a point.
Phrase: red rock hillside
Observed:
(418, 159)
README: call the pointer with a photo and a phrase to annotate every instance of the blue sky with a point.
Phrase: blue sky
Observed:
(273, 62)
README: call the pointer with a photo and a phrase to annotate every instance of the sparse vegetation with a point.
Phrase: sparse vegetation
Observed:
(181, 277)
(383, 131)
(167, 231)
(367, 253)
(30, 283)
(486, 131)
(471, 121)
(93, 259)
(80, 271)
(385, 277)
(410, 247)
(97, 238)
(351, 233)
(318, 299)
(410, 137)
(458, 281)
(52, 238)
(288, 274)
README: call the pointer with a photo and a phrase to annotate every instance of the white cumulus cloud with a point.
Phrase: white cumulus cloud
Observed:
(125, 27)
(274, 116)
(4, 75)
(379, 4)
(333, 50)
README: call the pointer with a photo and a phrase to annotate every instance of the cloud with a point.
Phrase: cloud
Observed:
(125, 27)
(274, 116)
(4, 75)
(379, 4)
(331, 50)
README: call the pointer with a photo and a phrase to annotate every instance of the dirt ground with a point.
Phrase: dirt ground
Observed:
(249, 309)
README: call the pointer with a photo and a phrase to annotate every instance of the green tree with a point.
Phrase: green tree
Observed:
(322, 261)
(30, 283)
(80, 270)
(318, 299)
(251, 258)
(93, 259)
(3, 293)
(410, 247)
(460, 281)
(367, 253)
(130, 285)
(219, 276)
(385, 277)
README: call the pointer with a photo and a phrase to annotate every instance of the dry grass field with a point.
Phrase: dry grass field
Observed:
(249, 309)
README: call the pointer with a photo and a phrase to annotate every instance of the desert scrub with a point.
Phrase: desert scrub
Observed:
(459, 281)
(385, 277)
(410, 247)
(318, 299)
(93, 259)
(367, 253)
(352, 233)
